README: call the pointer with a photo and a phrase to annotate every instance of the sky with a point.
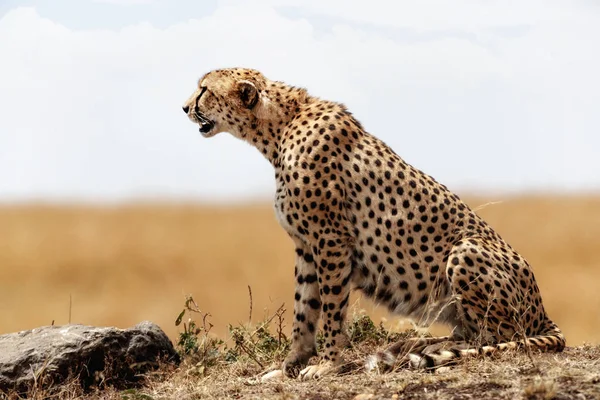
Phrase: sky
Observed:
(494, 95)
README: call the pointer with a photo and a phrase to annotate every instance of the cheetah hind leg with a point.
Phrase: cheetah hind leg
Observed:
(398, 354)
(490, 311)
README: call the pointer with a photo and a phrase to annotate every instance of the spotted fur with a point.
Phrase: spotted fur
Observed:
(361, 217)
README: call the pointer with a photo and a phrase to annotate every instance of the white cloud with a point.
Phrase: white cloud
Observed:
(436, 15)
(125, 2)
(497, 94)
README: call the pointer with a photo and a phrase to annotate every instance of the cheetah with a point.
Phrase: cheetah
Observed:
(362, 218)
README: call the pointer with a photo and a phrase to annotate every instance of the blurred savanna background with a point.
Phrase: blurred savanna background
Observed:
(113, 208)
(120, 264)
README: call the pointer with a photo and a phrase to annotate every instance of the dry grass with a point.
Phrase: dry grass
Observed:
(573, 374)
(123, 264)
(233, 370)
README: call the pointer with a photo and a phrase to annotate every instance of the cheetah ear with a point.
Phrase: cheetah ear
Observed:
(248, 94)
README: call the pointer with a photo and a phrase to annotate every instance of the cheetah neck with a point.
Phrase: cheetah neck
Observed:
(282, 104)
(265, 137)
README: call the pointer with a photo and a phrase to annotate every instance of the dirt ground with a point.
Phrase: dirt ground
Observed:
(573, 374)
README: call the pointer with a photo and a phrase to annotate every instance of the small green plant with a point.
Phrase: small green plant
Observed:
(363, 328)
(194, 342)
(259, 344)
(189, 338)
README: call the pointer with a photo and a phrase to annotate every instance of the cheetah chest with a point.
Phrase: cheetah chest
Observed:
(283, 213)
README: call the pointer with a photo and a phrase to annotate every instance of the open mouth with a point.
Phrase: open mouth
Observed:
(206, 124)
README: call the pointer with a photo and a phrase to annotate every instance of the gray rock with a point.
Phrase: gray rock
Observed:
(51, 355)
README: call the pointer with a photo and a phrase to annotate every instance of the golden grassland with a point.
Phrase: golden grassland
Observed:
(126, 263)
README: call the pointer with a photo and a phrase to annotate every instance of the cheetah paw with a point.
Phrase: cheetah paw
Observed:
(272, 375)
(317, 371)
(382, 361)
(417, 361)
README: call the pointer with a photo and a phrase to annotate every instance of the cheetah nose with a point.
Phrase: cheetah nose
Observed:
(186, 109)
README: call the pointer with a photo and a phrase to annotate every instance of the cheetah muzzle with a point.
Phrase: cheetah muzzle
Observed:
(193, 111)
(206, 125)
(362, 218)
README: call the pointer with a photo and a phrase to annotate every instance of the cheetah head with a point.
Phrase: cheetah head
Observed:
(230, 100)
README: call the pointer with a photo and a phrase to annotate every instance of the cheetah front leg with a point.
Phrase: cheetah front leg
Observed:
(307, 309)
(332, 258)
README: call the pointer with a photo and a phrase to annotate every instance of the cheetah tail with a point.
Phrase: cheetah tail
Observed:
(550, 339)
(387, 359)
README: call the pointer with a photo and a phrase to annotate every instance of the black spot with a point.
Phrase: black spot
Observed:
(315, 304)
